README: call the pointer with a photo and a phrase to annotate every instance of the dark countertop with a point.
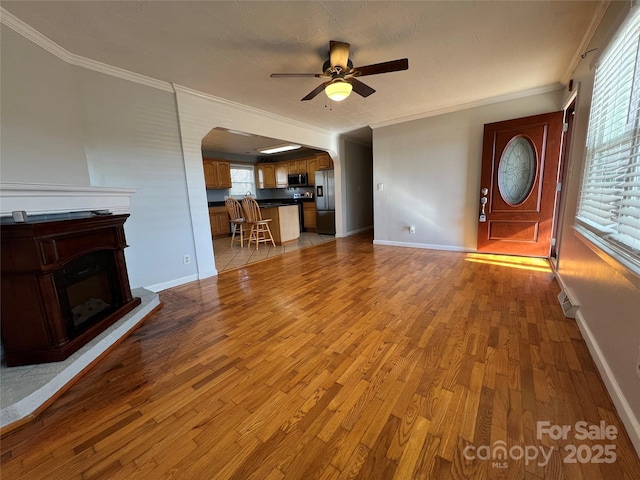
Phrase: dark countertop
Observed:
(271, 202)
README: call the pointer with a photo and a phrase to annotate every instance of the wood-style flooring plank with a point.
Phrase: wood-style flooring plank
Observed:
(341, 360)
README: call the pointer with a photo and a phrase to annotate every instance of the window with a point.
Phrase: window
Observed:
(609, 202)
(242, 180)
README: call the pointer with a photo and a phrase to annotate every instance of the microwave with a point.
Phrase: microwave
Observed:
(297, 180)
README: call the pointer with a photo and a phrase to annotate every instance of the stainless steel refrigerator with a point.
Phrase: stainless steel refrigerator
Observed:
(325, 202)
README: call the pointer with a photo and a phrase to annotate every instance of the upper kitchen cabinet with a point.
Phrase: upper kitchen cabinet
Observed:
(321, 161)
(272, 175)
(312, 166)
(298, 166)
(324, 161)
(266, 174)
(224, 174)
(282, 172)
(217, 173)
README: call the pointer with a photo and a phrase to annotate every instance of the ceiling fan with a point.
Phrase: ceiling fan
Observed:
(342, 75)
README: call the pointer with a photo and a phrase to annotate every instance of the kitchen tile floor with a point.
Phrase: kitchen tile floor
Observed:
(228, 257)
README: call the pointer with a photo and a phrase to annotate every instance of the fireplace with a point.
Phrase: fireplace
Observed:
(64, 281)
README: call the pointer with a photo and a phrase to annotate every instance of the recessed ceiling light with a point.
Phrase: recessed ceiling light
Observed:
(281, 148)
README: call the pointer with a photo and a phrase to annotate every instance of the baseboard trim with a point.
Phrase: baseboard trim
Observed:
(158, 287)
(620, 402)
(426, 246)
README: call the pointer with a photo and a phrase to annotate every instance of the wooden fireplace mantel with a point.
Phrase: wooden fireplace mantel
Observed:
(33, 323)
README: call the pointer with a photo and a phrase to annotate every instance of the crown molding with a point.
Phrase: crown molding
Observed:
(21, 28)
(586, 39)
(252, 110)
(466, 106)
(50, 46)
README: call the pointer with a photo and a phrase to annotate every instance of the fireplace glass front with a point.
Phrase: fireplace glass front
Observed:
(87, 290)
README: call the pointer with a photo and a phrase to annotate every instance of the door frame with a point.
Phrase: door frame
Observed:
(559, 208)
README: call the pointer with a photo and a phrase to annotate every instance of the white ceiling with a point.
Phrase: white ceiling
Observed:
(460, 52)
(242, 143)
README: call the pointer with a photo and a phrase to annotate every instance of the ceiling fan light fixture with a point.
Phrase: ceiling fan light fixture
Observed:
(338, 90)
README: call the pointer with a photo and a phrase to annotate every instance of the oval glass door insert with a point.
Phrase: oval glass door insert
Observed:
(517, 171)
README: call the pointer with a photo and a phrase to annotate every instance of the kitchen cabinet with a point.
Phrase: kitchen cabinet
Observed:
(298, 166)
(272, 175)
(309, 213)
(217, 173)
(259, 176)
(224, 174)
(219, 220)
(266, 175)
(324, 161)
(312, 165)
(284, 225)
(282, 171)
(210, 173)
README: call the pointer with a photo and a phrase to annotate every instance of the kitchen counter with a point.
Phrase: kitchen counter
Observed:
(285, 224)
(273, 204)
(266, 201)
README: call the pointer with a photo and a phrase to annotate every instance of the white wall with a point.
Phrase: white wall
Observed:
(132, 139)
(69, 125)
(430, 171)
(608, 294)
(41, 116)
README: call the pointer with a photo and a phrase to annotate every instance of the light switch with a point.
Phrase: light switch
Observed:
(380, 187)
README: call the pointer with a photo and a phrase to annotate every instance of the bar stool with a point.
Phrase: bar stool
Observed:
(236, 216)
(259, 226)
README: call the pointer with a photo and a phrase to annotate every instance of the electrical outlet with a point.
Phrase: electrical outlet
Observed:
(186, 259)
(638, 363)
(412, 229)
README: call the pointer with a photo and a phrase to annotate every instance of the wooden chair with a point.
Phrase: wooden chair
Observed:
(259, 226)
(238, 222)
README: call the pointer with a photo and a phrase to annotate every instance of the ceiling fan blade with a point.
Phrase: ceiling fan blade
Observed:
(360, 88)
(315, 91)
(338, 54)
(291, 75)
(384, 67)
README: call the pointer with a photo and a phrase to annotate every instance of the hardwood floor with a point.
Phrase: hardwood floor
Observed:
(343, 360)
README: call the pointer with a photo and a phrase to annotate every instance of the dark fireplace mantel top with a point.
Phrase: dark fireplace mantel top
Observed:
(55, 217)
(48, 244)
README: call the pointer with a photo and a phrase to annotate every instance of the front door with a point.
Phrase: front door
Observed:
(518, 185)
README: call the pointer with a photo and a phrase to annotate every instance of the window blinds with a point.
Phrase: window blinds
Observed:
(609, 200)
